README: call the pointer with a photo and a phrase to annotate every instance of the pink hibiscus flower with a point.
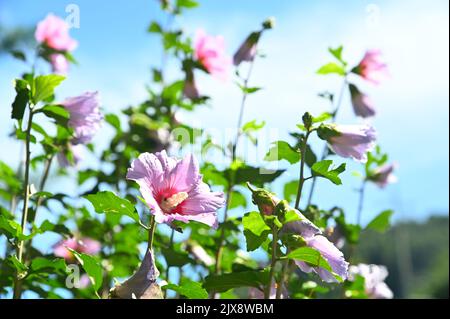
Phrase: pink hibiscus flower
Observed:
(174, 190)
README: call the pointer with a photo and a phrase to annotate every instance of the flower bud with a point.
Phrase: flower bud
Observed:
(265, 200)
(269, 23)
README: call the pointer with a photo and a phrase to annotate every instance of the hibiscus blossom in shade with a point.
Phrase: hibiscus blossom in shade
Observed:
(374, 276)
(174, 190)
(362, 104)
(85, 117)
(210, 52)
(372, 68)
(190, 89)
(77, 156)
(82, 245)
(59, 63)
(383, 175)
(349, 140)
(247, 50)
(331, 254)
(313, 237)
(54, 33)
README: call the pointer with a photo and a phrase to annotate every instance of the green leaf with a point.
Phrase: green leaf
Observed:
(91, 267)
(241, 174)
(331, 68)
(21, 268)
(290, 190)
(322, 169)
(282, 150)
(176, 258)
(56, 112)
(19, 55)
(155, 28)
(381, 222)
(21, 100)
(237, 200)
(189, 4)
(253, 126)
(114, 121)
(189, 289)
(110, 203)
(255, 230)
(44, 265)
(44, 86)
(313, 258)
(225, 282)
(322, 117)
(337, 53)
(10, 228)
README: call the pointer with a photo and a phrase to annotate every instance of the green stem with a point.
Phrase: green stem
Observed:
(219, 251)
(48, 164)
(241, 111)
(282, 277)
(325, 149)
(26, 192)
(301, 181)
(172, 235)
(272, 263)
(151, 232)
(361, 202)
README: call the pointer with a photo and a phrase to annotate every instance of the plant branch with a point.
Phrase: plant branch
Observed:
(361, 202)
(325, 149)
(302, 169)
(26, 196)
(273, 263)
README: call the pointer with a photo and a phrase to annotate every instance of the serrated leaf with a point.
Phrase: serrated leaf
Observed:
(322, 169)
(109, 203)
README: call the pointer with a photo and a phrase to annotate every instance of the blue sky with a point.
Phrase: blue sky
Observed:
(116, 53)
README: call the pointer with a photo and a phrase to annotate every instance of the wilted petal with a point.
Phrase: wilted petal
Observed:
(362, 104)
(142, 285)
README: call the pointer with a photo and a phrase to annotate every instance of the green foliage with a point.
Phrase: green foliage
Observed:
(44, 86)
(381, 222)
(189, 289)
(255, 230)
(322, 169)
(109, 203)
(92, 268)
(331, 68)
(281, 150)
(21, 100)
(222, 283)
